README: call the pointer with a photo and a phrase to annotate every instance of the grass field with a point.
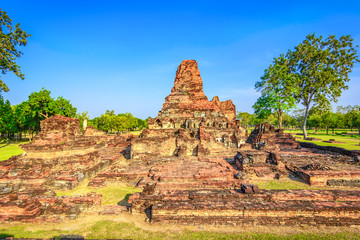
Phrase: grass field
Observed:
(350, 142)
(284, 183)
(126, 226)
(8, 150)
(112, 194)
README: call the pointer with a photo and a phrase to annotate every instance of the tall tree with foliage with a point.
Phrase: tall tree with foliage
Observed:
(82, 116)
(322, 67)
(245, 118)
(277, 87)
(11, 38)
(39, 106)
(7, 119)
(352, 117)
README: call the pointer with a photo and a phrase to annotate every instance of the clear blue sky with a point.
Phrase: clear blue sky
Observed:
(123, 55)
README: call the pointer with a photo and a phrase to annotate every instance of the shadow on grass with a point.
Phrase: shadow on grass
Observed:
(69, 237)
(124, 201)
(5, 144)
(5, 235)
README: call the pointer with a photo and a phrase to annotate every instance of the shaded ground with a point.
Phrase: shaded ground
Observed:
(125, 226)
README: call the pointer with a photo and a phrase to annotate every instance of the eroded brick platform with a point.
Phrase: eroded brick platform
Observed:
(60, 157)
(231, 207)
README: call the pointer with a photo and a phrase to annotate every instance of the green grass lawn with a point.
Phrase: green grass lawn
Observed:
(9, 150)
(115, 228)
(112, 194)
(284, 183)
(351, 142)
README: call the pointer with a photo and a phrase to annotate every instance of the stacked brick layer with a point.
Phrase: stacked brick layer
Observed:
(230, 207)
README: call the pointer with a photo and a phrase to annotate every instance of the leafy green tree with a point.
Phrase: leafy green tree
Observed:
(24, 118)
(255, 119)
(322, 67)
(11, 38)
(245, 118)
(39, 106)
(331, 120)
(132, 122)
(81, 117)
(298, 114)
(62, 106)
(141, 124)
(106, 121)
(315, 121)
(121, 123)
(7, 119)
(277, 87)
(289, 120)
(352, 117)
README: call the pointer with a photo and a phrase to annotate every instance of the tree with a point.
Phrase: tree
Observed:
(81, 117)
(331, 121)
(10, 39)
(39, 106)
(322, 68)
(62, 106)
(315, 120)
(244, 118)
(352, 117)
(298, 114)
(277, 88)
(7, 118)
(288, 120)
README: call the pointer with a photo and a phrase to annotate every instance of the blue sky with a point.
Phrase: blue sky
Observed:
(123, 55)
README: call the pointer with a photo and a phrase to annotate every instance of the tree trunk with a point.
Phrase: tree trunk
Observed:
(280, 119)
(327, 129)
(333, 130)
(304, 123)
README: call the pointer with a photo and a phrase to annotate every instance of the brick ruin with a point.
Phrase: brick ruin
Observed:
(196, 166)
(60, 157)
(268, 154)
(177, 191)
(188, 123)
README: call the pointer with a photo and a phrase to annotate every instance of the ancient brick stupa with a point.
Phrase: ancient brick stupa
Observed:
(188, 123)
(187, 106)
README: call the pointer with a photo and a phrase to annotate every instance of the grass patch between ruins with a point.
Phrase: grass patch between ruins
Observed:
(350, 142)
(283, 184)
(7, 150)
(112, 194)
(129, 227)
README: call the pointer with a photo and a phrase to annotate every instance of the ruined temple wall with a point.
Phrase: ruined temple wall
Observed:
(50, 153)
(91, 131)
(226, 107)
(269, 207)
(58, 129)
(154, 146)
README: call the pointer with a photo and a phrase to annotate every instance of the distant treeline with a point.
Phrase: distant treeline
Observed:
(344, 117)
(111, 122)
(24, 118)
